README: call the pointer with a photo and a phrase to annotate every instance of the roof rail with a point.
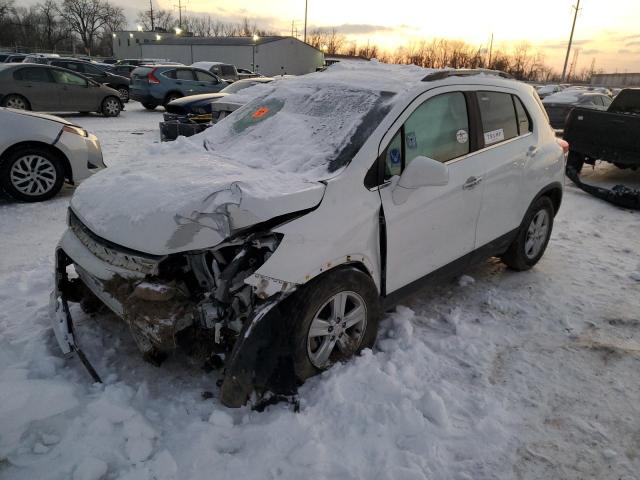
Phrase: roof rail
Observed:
(463, 72)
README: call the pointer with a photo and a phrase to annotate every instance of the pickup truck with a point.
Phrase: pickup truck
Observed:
(612, 135)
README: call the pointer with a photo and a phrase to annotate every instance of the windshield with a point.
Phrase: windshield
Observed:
(310, 129)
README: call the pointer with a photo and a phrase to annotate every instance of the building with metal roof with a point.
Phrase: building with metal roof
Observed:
(272, 55)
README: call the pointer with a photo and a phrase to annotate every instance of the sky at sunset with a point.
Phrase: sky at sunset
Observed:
(607, 30)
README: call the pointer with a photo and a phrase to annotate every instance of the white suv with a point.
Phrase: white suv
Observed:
(278, 240)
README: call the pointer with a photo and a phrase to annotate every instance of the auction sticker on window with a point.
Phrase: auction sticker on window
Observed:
(493, 136)
(257, 112)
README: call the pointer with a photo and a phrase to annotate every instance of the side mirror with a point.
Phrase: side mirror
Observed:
(421, 172)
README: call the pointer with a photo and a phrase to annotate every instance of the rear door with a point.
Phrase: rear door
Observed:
(37, 86)
(507, 143)
(435, 225)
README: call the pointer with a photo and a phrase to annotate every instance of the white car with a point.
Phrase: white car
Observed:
(279, 240)
(39, 152)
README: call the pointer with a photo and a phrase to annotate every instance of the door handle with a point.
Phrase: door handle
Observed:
(471, 182)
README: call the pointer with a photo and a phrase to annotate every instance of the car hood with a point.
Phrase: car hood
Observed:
(187, 201)
(204, 97)
(44, 116)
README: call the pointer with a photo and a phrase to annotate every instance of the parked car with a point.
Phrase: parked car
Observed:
(307, 212)
(92, 71)
(38, 153)
(12, 57)
(610, 135)
(546, 90)
(124, 70)
(190, 115)
(559, 105)
(39, 57)
(221, 70)
(243, 73)
(47, 88)
(155, 85)
(145, 61)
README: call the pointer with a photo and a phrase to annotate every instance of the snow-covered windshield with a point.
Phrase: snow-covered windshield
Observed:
(309, 128)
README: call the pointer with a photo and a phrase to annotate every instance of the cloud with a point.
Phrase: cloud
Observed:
(358, 28)
(592, 51)
(632, 44)
(563, 44)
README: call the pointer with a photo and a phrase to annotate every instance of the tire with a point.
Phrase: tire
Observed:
(575, 161)
(111, 107)
(171, 97)
(124, 94)
(149, 106)
(315, 302)
(16, 170)
(16, 101)
(533, 236)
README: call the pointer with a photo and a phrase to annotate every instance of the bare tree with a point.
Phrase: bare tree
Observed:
(163, 20)
(87, 18)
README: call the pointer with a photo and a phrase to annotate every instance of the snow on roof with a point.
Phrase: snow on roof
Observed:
(564, 97)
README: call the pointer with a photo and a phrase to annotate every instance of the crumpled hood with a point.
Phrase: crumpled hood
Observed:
(186, 201)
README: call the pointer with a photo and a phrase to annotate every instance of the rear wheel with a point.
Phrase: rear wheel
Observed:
(32, 174)
(337, 317)
(575, 161)
(111, 107)
(16, 101)
(149, 106)
(532, 239)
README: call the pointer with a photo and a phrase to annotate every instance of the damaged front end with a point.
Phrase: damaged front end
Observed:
(197, 301)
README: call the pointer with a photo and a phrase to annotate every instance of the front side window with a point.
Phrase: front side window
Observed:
(205, 77)
(227, 70)
(68, 78)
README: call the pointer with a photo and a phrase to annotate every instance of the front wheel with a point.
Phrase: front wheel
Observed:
(111, 107)
(31, 174)
(532, 239)
(337, 316)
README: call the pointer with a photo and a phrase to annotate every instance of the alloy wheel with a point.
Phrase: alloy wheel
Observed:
(16, 102)
(111, 107)
(337, 329)
(124, 94)
(33, 175)
(536, 234)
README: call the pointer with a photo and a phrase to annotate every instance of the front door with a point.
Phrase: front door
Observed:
(435, 225)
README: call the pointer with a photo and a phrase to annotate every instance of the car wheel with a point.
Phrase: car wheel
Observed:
(171, 97)
(16, 101)
(124, 94)
(31, 174)
(575, 161)
(533, 236)
(111, 107)
(149, 106)
(337, 317)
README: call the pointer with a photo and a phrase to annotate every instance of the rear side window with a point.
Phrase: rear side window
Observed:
(498, 115)
(170, 74)
(32, 75)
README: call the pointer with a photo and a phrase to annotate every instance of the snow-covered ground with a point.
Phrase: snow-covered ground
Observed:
(506, 375)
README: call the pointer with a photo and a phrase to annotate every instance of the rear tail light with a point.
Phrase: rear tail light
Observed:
(151, 78)
(564, 144)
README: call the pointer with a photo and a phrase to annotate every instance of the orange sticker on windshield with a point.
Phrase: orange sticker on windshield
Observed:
(261, 112)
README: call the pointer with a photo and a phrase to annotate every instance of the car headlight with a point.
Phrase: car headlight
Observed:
(75, 130)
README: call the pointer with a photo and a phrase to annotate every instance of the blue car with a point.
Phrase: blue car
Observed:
(155, 85)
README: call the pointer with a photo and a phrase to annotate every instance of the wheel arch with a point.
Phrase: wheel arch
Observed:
(17, 95)
(554, 192)
(66, 165)
(171, 92)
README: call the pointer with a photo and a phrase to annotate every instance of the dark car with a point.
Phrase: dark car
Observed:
(610, 135)
(124, 70)
(560, 104)
(45, 88)
(190, 115)
(12, 57)
(95, 73)
(154, 85)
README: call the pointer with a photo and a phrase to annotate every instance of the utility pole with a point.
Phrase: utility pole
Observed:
(306, 4)
(151, 15)
(490, 50)
(180, 8)
(573, 26)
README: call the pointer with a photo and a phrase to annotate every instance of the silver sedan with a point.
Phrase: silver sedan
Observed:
(38, 153)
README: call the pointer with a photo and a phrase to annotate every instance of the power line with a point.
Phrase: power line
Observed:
(573, 26)
(180, 8)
